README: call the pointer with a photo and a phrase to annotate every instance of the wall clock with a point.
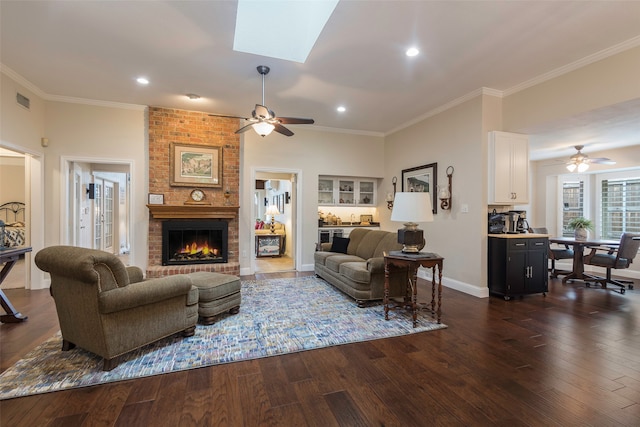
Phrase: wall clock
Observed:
(196, 197)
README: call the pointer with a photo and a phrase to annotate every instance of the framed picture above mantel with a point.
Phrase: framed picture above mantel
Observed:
(195, 165)
(423, 179)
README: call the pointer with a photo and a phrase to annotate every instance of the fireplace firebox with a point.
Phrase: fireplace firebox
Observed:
(194, 242)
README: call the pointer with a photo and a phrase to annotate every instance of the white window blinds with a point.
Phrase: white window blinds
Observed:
(620, 207)
(572, 203)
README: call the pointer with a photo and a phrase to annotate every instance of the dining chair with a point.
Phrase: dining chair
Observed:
(555, 253)
(615, 258)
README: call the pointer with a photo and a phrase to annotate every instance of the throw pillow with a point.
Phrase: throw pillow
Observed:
(340, 244)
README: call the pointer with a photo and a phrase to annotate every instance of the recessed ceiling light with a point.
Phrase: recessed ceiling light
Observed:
(193, 96)
(412, 51)
(142, 80)
(341, 109)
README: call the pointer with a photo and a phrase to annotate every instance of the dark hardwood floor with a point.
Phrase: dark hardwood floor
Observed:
(571, 358)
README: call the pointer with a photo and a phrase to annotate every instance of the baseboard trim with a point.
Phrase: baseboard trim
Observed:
(456, 284)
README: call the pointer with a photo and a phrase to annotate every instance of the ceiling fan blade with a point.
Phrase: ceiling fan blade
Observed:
(281, 129)
(294, 121)
(244, 128)
(601, 161)
(228, 117)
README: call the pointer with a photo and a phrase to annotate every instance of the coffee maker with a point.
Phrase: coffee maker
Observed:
(517, 222)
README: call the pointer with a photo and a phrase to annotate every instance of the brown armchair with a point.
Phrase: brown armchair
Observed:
(555, 253)
(107, 309)
(616, 258)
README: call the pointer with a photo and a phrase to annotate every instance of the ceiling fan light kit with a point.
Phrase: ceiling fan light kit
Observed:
(264, 120)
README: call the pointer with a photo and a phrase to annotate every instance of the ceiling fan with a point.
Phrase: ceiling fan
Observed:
(581, 161)
(263, 120)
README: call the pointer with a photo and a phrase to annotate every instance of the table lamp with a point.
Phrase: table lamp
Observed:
(411, 208)
(273, 211)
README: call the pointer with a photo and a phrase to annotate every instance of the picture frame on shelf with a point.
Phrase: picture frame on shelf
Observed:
(156, 199)
(195, 165)
(423, 179)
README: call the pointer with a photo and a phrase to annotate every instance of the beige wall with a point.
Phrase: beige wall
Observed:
(607, 82)
(311, 153)
(96, 134)
(11, 179)
(455, 137)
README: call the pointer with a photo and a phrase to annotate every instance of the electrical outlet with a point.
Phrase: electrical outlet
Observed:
(464, 208)
(244, 253)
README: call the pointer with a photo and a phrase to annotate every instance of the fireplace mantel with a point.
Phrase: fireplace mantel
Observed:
(193, 211)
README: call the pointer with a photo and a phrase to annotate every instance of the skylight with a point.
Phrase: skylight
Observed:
(279, 28)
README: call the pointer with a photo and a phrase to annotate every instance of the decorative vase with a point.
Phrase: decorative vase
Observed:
(581, 233)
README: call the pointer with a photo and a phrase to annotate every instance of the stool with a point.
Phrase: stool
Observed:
(217, 293)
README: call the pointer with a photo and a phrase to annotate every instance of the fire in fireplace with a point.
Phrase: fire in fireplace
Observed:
(194, 242)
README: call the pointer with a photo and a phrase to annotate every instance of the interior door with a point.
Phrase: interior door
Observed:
(103, 205)
(98, 218)
(108, 216)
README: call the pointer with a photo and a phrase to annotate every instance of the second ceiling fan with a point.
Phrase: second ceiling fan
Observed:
(581, 161)
(264, 120)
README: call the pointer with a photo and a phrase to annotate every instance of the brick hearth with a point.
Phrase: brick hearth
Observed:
(194, 128)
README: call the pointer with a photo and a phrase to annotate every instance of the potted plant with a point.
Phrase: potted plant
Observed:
(580, 225)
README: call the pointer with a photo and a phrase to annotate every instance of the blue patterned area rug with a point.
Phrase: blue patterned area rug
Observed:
(277, 316)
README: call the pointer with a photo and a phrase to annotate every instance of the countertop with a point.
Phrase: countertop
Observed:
(519, 236)
(350, 225)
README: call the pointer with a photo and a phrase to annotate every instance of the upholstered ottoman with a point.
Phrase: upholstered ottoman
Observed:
(217, 293)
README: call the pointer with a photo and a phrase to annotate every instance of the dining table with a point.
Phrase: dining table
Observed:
(577, 272)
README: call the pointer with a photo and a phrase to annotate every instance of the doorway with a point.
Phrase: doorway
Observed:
(21, 180)
(275, 213)
(98, 206)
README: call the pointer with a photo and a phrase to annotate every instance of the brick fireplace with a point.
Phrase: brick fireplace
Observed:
(168, 126)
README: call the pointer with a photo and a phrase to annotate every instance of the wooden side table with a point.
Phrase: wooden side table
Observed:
(413, 261)
(9, 258)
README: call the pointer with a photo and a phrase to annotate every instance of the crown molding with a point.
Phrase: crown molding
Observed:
(21, 81)
(95, 102)
(587, 60)
(448, 105)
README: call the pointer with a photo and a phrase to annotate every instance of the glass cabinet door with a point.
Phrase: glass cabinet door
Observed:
(346, 192)
(366, 193)
(325, 191)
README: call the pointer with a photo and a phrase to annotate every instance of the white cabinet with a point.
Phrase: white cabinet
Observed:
(343, 191)
(508, 168)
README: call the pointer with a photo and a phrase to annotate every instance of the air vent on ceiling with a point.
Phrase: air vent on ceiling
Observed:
(23, 100)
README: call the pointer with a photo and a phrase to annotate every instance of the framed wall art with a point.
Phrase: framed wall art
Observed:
(281, 203)
(195, 165)
(423, 179)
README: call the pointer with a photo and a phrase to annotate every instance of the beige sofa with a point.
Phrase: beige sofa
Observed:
(108, 309)
(360, 271)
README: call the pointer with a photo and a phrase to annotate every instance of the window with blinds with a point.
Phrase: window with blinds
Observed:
(620, 207)
(572, 202)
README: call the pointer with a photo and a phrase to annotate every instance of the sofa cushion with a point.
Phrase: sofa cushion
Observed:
(387, 243)
(333, 262)
(320, 257)
(356, 271)
(340, 244)
(367, 247)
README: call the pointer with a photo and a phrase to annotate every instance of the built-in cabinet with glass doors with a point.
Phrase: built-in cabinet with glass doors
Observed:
(346, 191)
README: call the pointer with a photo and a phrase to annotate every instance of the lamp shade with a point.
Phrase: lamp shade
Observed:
(263, 128)
(272, 210)
(412, 207)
